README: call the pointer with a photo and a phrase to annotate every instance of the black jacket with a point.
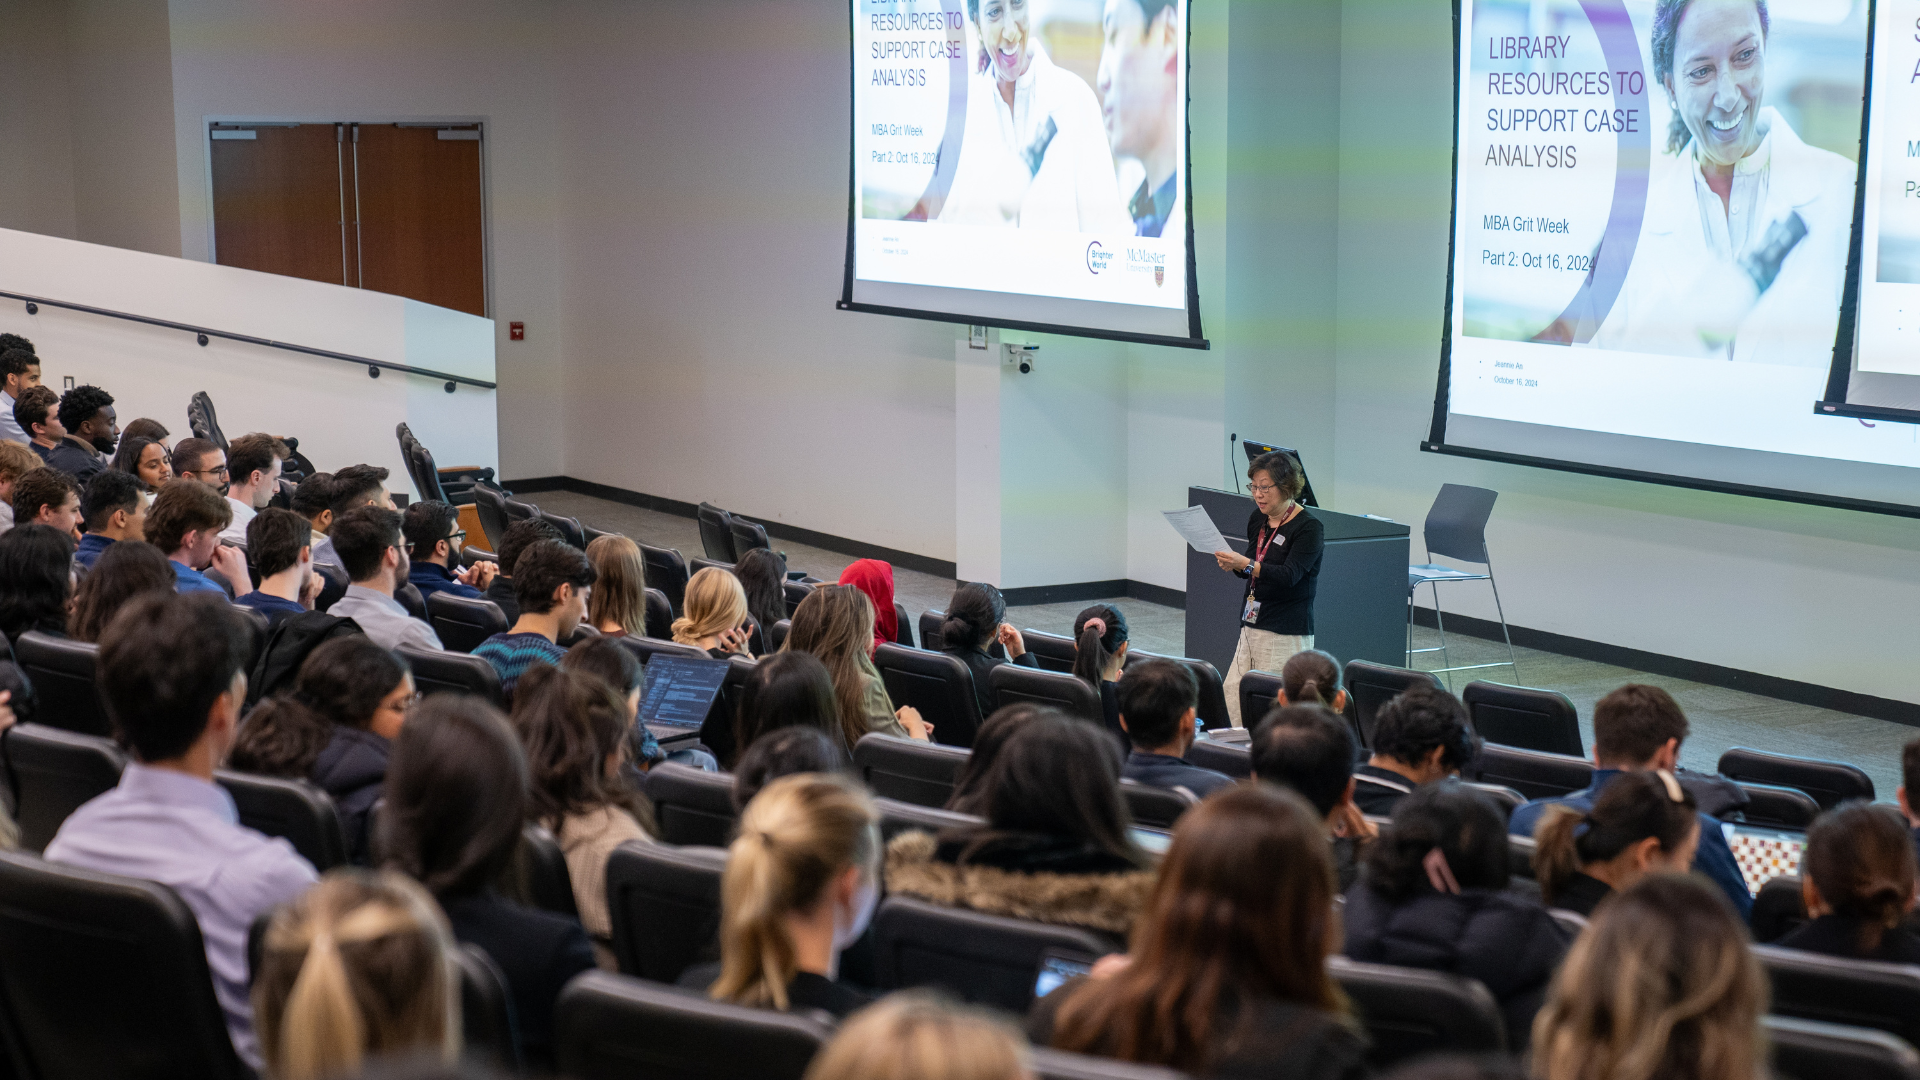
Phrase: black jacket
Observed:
(500, 591)
(980, 664)
(1839, 935)
(1289, 572)
(1280, 1041)
(536, 950)
(353, 769)
(77, 460)
(806, 991)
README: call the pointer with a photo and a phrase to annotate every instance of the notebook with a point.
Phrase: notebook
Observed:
(680, 689)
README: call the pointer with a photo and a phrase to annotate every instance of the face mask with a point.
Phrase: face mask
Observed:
(865, 899)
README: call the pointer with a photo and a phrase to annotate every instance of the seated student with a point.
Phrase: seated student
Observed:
(254, 463)
(1226, 973)
(146, 428)
(37, 412)
(520, 536)
(551, 581)
(1100, 655)
(1639, 728)
(367, 542)
(277, 542)
(1908, 793)
(172, 673)
(1662, 984)
(86, 412)
(121, 573)
(36, 563)
(715, 616)
(352, 487)
(1420, 736)
(114, 509)
(1159, 707)
(763, 577)
(1858, 880)
(573, 727)
(621, 669)
(1312, 677)
(618, 606)
(359, 967)
(835, 624)
(145, 460)
(16, 461)
(787, 689)
(875, 578)
(19, 372)
(1055, 845)
(785, 752)
(921, 1035)
(976, 618)
(1309, 749)
(801, 884)
(970, 783)
(185, 522)
(1433, 894)
(313, 499)
(1643, 823)
(436, 540)
(46, 496)
(203, 462)
(336, 728)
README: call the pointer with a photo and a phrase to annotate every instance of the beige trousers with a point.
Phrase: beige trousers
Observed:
(1259, 650)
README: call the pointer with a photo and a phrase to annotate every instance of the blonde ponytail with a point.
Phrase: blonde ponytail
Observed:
(1554, 859)
(714, 604)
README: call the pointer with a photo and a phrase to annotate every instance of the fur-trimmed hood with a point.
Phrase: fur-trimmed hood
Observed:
(1108, 902)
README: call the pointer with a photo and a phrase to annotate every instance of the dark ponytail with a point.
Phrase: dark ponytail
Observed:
(973, 617)
(342, 682)
(1098, 633)
(1860, 856)
(1633, 807)
(1310, 677)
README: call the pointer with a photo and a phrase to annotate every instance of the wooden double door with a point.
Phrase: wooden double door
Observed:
(397, 208)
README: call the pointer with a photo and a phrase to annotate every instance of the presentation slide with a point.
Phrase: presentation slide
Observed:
(1888, 338)
(1023, 162)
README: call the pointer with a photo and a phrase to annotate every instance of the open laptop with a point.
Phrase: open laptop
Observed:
(1056, 967)
(1764, 853)
(680, 690)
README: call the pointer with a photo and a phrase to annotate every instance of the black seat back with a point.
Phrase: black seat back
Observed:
(1259, 691)
(408, 596)
(486, 1010)
(203, 422)
(1524, 717)
(1785, 807)
(1372, 685)
(569, 528)
(664, 903)
(63, 682)
(519, 510)
(747, 535)
(777, 634)
(491, 505)
(1779, 908)
(1069, 693)
(692, 806)
(907, 769)
(938, 685)
(294, 810)
(105, 976)
(980, 958)
(1051, 1064)
(897, 817)
(902, 625)
(930, 621)
(1233, 758)
(464, 623)
(1411, 1011)
(716, 533)
(1863, 993)
(333, 584)
(646, 648)
(666, 571)
(793, 593)
(612, 1027)
(453, 673)
(1213, 695)
(1053, 652)
(1829, 782)
(543, 868)
(1155, 806)
(1506, 798)
(1532, 773)
(659, 614)
(55, 771)
(1810, 1050)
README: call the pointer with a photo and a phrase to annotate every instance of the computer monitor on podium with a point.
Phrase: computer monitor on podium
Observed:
(1255, 449)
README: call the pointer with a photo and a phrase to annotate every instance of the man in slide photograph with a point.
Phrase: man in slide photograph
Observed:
(1140, 101)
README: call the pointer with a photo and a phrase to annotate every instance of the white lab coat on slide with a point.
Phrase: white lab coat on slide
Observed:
(1794, 321)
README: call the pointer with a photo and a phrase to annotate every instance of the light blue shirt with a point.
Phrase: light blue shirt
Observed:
(10, 428)
(384, 620)
(184, 833)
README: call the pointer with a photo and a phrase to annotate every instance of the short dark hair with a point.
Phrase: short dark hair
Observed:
(163, 661)
(15, 360)
(274, 540)
(543, 568)
(1308, 748)
(78, 405)
(253, 453)
(190, 454)
(1153, 696)
(1631, 724)
(1421, 718)
(36, 562)
(44, 486)
(313, 495)
(355, 485)
(1465, 825)
(184, 506)
(456, 796)
(1280, 468)
(145, 427)
(426, 523)
(1910, 768)
(109, 490)
(784, 752)
(33, 406)
(10, 342)
(361, 537)
(522, 534)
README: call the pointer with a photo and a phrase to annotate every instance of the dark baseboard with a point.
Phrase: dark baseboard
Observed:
(1800, 693)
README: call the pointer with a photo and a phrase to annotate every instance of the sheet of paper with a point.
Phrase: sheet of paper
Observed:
(1197, 529)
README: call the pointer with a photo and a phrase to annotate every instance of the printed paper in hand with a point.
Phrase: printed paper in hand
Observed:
(1197, 529)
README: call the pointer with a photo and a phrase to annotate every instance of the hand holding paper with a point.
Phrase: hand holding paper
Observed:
(1197, 529)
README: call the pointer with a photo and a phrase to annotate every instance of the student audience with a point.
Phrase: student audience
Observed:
(1643, 823)
(19, 372)
(1310, 750)
(279, 545)
(352, 487)
(618, 606)
(785, 752)
(47, 496)
(1420, 736)
(16, 461)
(86, 412)
(1055, 845)
(335, 728)
(1100, 655)
(1159, 710)
(970, 783)
(1639, 728)
(361, 966)
(1226, 973)
(1857, 877)
(113, 509)
(456, 801)
(145, 428)
(835, 624)
(144, 459)
(122, 572)
(254, 463)
(801, 884)
(1661, 985)
(172, 673)
(875, 579)
(520, 536)
(36, 562)
(715, 616)
(763, 577)
(367, 542)
(917, 1035)
(1433, 894)
(203, 462)
(976, 620)
(551, 581)
(787, 689)
(313, 499)
(621, 669)
(37, 412)
(1312, 677)
(436, 540)
(185, 522)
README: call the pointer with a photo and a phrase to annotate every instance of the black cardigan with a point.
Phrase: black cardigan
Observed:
(1289, 574)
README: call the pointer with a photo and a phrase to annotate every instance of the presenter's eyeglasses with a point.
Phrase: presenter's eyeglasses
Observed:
(1263, 488)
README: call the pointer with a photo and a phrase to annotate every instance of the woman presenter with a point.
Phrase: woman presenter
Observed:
(1282, 568)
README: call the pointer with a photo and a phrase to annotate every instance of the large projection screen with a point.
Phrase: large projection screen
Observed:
(1023, 164)
(1652, 237)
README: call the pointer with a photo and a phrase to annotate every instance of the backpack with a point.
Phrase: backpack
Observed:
(288, 645)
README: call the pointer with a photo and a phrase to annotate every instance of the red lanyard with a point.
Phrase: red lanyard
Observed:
(1266, 539)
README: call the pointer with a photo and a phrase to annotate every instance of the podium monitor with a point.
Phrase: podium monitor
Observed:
(1255, 449)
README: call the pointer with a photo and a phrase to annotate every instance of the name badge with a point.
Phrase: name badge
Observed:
(1252, 613)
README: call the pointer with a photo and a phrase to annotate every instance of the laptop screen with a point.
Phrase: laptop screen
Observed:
(680, 689)
(1056, 967)
(1763, 853)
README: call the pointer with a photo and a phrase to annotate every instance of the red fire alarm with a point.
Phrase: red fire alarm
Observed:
(516, 331)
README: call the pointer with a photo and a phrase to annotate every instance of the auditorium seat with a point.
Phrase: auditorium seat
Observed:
(463, 623)
(1779, 908)
(1053, 652)
(450, 672)
(1783, 807)
(747, 535)
(203, 421)
(1506, 798)
(777, 636)
(1532, 773)
(408, 596)
(1051, 1064)
(664, 904)
(1864, 993)
(1524, 717)
(903, 626)
(691, 806)
(1372, 685)
(695, 565)
(659, 621)
(549, 886)
(294, 810)
(491, 505)
(1829, 782)
(1411, 1011)
(984, 959)
(1155, 806)
(63, 682)
(1213, 695)
(1259, 692)
(1520, 856)
(614, 1027)
(666, 571)
(938, 685)
(257, 626)
(897, 817)
(1809, 1050)
(645, 648)
(930, 621)
(106, 976)
(716, 533)
(333, 584)
(54, 772)
(907, 769)
(793, 593)
(486, 1010)
(570, 529)
(1234, 759)
(1012, 683)
(595, 534)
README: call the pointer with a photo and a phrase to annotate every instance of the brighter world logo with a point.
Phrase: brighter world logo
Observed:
(1097, 257)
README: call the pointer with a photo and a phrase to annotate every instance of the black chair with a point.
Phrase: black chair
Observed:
(664, 904)
(581, 632)
(1809, 1050)
(1411, 1011)
(462, 623)
(897, 817)
(1520, 851)
(1779, 908)
(595, 534)
(777, 634)
(1155, 806)
(54, 771)
(1863, 993)
(520, 510)
(1069, 693)
(716, 533)
(902, 625)
(105, 976)
(294, 810)
(793, 593)
(203, 421)
(984, 959)
(659, 620)
(333, 584)
(408, 596)
(63, 682)
(1504, 797)
(907, 769)
(1053, 652)
(1213, 695)
(1259, 691)
(1829, 782)
(1372, 685)
(486, 1011)
(1234, 759)
(256, 621)
(613, 1027)
(696, 565)
(491, 505)
(747, 535)
(1534, 774)
(646, 648)
(692, 806)
(1051, 1064)
(666, 571)
(938, 685)
(1782, 807)
(569, 528)
(1520, 716)
(543, 869)
(454, 673)
(930, 621)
